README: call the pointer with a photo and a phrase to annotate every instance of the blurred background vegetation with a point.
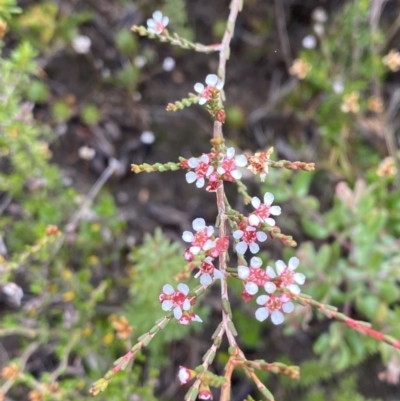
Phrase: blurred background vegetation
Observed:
(81, 98)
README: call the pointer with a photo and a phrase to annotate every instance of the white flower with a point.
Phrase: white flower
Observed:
(212, 82)
(175, 300)
(273, 305)
(319, 15)
(207, 272)
(309, 42)
(201, 239)
(249, 237)
(81, 44)
(147, 137)
(168, 64)
(86, 153)
(158, 23)
(202, 169)
(287, 278)
(338, 86)
(229, 164)
(264, 210)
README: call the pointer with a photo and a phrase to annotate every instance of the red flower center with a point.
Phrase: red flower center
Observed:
(249, 236)
(286, 278)
(258, 276)
(201, 170)
(228, 164)
(178, 298)
(200, 238)
(273, 303)
(263, 211)
(207, 267)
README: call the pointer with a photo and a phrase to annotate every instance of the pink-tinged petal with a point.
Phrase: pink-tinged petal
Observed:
(191, 177)
(205, 279)
(241, 248)
(205, 395)
(150, 23)
(288, 307)
(270, 272)
(199, 224)
(262, 299)
(186, 305)
(184, 320)
(236, 174)
(293, 263)
(254, 248)
(268, 198)
(205, 159)
(200, 183)
(270, 287)
(280, 267)
(208, 245)
(199, 88)
(251, 288)
(193, 162)
(195, 249)
(270, 221)
(294, 288)
(261, 236)
(210, 231)
(261, 314)
(300, 278)
(255, 202)
(157, 16)
(230, 152)
(254, 220)
(209, 171)
(218, 273)
(284, 298)
(243, 272)
(185, 374)
(202, 101)
(277, 317)
(241, 160)
(211, 79)
(187, 236)
(238, 234)
(183, 288)
(165, 21)
(167, 305)
(275, 210)
(168, 289)
(197, 318)
(255, 262)
(177, 312)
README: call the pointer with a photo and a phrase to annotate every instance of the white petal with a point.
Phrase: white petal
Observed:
(277, 317)
(261, 314)
(205, 159)
(261, 236)
(191, 177)
(193, 162)
(241, 160)
(251, 288)
(254, 248)
(270, 287)
(203, 100)
(241, 248)
(270, 221)
(195, 249)
(177, 312)
(209, 171)
(198, 224)
(210, 231)
(197, 318)
(150, 29)
(165, 21)
(275, 210)
(250, 228)
(270, 272)
(255, 202)
(230, 152)
(200, 183)
(300, 278)
(208, 245)
(293, 263)
(150, 23)
(262, 299)
(205, 279)
(167, 305)
(280, 266)
(183, 288)
(253, 220)
(157, 16)
(238, 234)
(268, 198)
(219, 85)
(211, 79)
(243, 272)
(255, 262)
(220, 170)
(294, 288)
(218, 273)
(288, 307)
(187, 236)
(168, 289)
(199, 88)
(236, 174)
(186, 305)
(183, 375)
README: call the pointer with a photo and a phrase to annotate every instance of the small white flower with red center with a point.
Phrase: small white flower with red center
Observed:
(256, 277)
(176, 300)
(207, 272)
(213, 83)
(200, 240)
(287, 277)
(248, 237)
(188, 317)
(185, 374)
(202, 169)
(264, 210)
(273, 305)
(229, 163)
(158, 23)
